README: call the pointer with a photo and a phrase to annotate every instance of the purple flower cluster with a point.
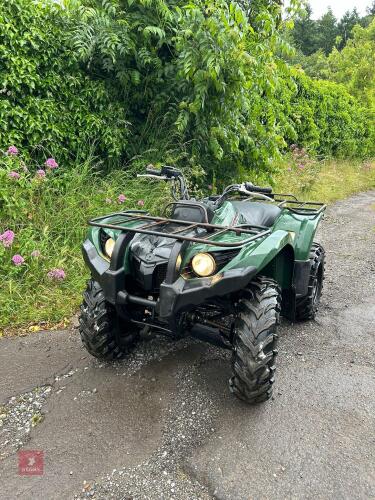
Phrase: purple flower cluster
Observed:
(14, 175)
(56, 274)
(18, 260)
(51, 163)
(300, 157)
(12, 151)
(7, 238)
(121, 198)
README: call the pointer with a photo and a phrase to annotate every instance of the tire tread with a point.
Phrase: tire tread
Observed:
(255, 338)
(97, 326)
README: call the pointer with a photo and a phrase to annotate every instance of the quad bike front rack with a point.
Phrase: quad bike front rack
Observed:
(212, 230)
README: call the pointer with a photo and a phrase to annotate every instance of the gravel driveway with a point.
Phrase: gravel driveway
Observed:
(162, 423)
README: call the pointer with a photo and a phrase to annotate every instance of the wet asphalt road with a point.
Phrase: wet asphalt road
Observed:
(162, 424)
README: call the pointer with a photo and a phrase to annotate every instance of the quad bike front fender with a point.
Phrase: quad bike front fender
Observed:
(276, 257)
(261, 254)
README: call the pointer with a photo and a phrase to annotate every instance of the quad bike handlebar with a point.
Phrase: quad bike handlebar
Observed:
(165, 171)
(257, 189)
(153, 171)
(168, 173)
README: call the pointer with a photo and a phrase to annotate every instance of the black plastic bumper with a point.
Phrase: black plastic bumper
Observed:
(110, 276)
(174, 297)
(185, 294)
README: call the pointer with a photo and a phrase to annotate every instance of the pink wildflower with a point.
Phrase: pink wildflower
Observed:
(7, 238)
(18, 260)
(14, 175)
(289, 169)
(12, 151)
(56, 274)
(35, 253)
(121, 198)
(301, 166)
(210, 187)
(41, 173)
(51, 163)
(140, 203)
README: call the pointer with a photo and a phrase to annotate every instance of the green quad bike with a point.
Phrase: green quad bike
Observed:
(222, 270)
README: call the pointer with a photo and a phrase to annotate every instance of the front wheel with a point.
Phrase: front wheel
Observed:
(254, 341)
(104, 334)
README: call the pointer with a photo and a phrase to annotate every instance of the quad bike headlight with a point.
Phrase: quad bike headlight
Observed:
(109, 246)
(203, 264)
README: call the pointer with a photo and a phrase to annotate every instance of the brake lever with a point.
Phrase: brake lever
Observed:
(257, 195)
(157, 177)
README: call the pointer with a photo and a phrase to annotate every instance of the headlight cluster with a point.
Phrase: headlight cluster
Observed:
(203, 264)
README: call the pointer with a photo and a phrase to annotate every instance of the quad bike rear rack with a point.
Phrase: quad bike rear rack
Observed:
(283, 200)
(212, 230)
(309, 208)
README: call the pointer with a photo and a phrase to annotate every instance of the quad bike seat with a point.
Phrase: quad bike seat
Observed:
(191, 210)
(257, 213)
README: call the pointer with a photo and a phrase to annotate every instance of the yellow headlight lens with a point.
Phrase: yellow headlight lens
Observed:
(203, 264)
(109, 246)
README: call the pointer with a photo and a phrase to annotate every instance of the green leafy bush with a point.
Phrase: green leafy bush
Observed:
(46, 100)
(206, 84)
(354, 65)
(201, 78)
(329, 121)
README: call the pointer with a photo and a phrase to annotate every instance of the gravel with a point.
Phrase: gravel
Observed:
(187, 422)
(18, 416)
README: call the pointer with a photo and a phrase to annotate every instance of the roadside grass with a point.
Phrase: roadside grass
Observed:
(326, 181)
(49, 216)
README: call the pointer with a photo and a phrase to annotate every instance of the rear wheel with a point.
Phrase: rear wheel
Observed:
(307, 306)
(104, 334)
(254, 341)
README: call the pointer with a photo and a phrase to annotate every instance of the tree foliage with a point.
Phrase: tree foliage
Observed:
(354, 66)
(200, 75)
(200, 83)
(323, 34)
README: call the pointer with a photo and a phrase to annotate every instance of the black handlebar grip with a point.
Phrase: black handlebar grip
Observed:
(153, 171)
(258, 189)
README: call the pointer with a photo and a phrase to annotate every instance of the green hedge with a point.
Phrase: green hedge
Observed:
(329, 121)
(46, 99)
(199, 84)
